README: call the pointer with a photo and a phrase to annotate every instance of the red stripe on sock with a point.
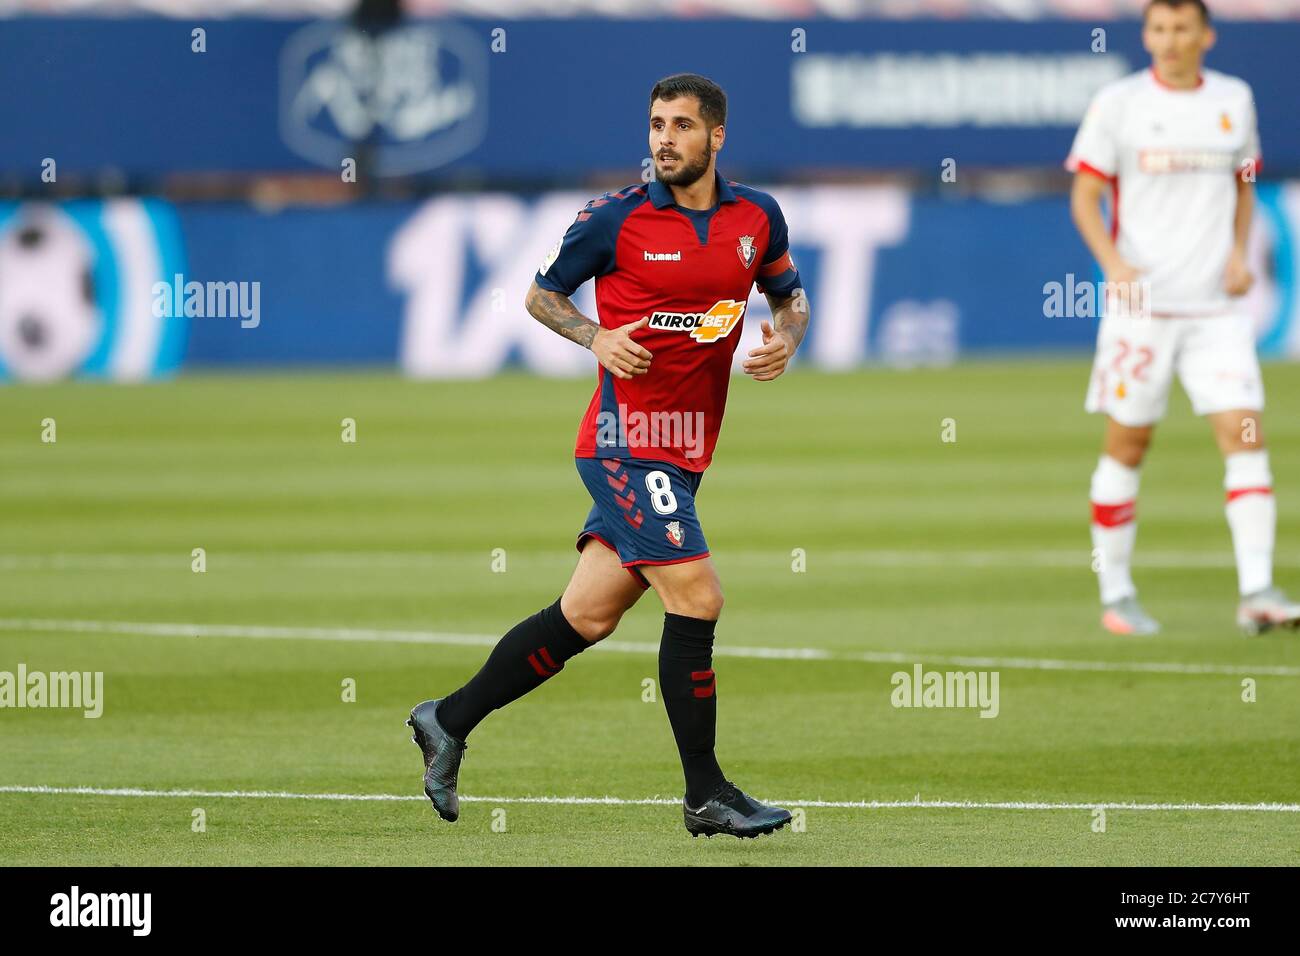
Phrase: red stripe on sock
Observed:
(547, 657)
(708, 676)
(1235, 493)
(537, 666)
(1112, 516)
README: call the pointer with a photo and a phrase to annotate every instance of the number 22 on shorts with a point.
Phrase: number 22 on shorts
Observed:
(1143, 355)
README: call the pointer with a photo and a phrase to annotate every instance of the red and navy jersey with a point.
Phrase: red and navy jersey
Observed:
(691, 272)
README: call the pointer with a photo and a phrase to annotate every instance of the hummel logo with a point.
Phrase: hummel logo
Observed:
(663, 256)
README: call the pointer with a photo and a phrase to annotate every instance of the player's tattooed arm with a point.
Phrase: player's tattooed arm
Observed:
(558, 313)
(614, 348)
(790, 314)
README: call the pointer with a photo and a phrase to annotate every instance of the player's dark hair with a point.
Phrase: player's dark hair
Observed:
(713, 102)
(1198, 4)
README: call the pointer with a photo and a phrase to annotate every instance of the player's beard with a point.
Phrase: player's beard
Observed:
(686, 174)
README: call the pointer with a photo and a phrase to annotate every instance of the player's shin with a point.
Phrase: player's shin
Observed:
(1252, 517)
(688, 685)
(1114, 527)
(532, 651)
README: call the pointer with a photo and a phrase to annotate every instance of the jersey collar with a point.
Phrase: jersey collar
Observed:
(661, 196)
(1200, 81)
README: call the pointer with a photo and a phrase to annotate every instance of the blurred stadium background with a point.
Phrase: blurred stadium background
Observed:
(387, 177)
(392, 177)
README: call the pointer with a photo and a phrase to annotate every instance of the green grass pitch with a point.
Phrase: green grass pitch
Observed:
(915, 547)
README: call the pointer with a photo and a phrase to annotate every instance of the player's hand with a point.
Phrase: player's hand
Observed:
(1237, 278)
(616, 351)
(1124, 287)
(770, 359)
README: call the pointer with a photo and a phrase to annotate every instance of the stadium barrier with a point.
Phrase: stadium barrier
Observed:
(549, 101)
(125, 288)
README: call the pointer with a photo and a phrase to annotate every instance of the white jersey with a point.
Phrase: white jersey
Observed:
(1173, 157)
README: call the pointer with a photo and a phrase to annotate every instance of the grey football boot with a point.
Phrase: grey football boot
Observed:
(442, 756)
(1265, 610)
(1126, 616)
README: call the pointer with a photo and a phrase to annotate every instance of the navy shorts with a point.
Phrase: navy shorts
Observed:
(644, 511)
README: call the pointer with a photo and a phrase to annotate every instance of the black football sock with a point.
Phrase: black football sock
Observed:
(688, 686)
(533, 650)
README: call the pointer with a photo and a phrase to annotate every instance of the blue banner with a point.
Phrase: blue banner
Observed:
(562, 99)
(128, 289)
(438, 287)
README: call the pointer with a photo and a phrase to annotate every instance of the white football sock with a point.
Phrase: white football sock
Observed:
(1252, 516)
(1114, 526)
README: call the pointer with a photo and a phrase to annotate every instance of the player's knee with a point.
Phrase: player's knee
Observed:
(705, 601)
(1239, 433)
(594, 624)
(1129, 447)
(1130, 455)
(1138, 443)
(715, 606)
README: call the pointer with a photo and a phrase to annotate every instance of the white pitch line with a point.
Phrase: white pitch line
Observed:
(663, 801)
(1021, 560)
(380, 635)
(254, 631)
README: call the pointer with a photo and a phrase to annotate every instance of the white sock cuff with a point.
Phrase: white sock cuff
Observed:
(1247, 469)
(1113, 483)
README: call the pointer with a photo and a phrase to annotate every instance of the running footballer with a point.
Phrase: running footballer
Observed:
(674, 261)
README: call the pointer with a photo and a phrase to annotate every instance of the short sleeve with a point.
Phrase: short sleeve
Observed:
(585, 251)
(1250, 148)
(777, 274)
(1096, 145)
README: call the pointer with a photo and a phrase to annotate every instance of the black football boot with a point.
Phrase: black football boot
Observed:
(731, 810)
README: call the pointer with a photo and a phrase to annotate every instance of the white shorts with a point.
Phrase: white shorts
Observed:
(1137, 356)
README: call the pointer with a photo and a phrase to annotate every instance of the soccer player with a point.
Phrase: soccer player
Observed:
(674, 261)
(1176, 146)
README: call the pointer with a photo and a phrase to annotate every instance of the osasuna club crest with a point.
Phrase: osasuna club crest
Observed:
(746, 250)
(674, 533)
